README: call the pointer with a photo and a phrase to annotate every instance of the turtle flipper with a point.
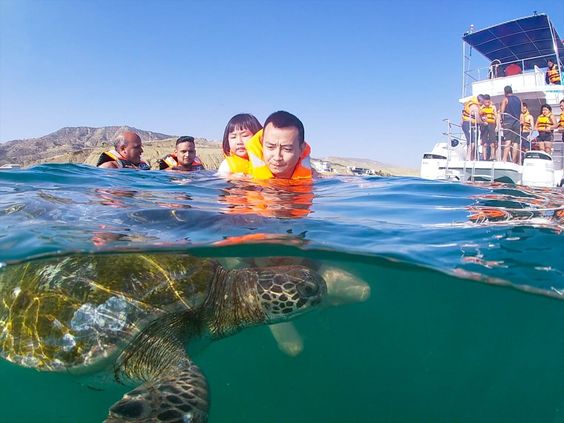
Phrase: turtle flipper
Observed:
(178, 396)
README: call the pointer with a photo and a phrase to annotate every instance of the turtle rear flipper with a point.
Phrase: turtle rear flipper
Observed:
(179, 396)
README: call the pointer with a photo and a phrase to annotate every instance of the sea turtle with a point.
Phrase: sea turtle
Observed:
(134, 313)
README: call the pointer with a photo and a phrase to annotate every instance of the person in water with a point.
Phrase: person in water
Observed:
(546, 122)
(183, 158)
(238, 131)
(125, 155)
(279, 151)
(510, 115)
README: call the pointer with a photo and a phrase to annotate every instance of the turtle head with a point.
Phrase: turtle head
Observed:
(286, 291)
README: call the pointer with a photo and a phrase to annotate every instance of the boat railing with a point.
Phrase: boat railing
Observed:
(524, 70)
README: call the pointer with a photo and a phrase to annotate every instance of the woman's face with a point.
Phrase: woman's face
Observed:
(237, 139)
(545, 111)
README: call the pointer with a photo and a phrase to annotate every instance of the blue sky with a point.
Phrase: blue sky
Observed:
(369, 79)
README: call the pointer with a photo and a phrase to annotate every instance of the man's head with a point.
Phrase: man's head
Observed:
(508, 90)
(283, 141)
(185, 150)
(561, 104)
(524, 108)
(486, 100)
(129, 146)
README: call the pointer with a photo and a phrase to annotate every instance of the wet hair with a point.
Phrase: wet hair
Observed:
(282, 119)
(185, 138)
(241, 121)
(507, 89)
(547, 106)
(486, 97)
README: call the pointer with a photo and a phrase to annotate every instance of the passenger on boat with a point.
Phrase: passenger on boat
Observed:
(471, 118)
(561, 121)
(238, 131)
(125, 155)
(495, 69)
(546, 122)
(488, 113)
(279, 150)
(510, 114)
(527, 123)
(183, 158)
(552, 73)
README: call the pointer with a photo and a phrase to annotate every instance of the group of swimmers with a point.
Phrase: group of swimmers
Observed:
(276, 149)
(516, 122)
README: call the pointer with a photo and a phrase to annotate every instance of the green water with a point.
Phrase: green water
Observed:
(426, 347)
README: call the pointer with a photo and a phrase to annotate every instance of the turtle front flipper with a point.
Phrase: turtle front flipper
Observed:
(174, 388)
(180, 395)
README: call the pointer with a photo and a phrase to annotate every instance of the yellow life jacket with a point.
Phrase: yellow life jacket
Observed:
(237, 164)
(544, 123)
(561, 121)
(466, 115)
(258, 168)
(526, 127)
(114, 156)
(553, 75)
(488, 113)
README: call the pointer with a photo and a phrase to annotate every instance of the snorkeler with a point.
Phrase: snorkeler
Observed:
(183, 158)
(125, 155)
(238, 131)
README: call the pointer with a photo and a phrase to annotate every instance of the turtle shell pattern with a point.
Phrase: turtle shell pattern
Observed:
(76, 311)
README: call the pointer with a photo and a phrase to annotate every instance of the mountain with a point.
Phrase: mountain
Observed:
(84, 145)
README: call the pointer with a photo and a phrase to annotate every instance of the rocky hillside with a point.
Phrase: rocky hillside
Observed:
(84, 145)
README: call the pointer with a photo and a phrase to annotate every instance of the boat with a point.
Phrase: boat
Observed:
(521, 48)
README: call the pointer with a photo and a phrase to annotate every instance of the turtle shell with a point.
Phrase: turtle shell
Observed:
(76, 311)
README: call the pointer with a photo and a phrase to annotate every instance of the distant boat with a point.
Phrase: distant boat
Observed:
(11, 166)
(517, 52)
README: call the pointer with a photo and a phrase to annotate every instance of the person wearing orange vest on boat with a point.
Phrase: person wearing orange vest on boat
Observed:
(527, 122)
(125, 155)
(560, 128)
(238, 131)
(546, 122)
(470, 120)
(552, 75)
(488, 112)
(184, 158)
(279, 151)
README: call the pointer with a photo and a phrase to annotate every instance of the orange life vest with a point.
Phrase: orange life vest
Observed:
(544, 123)
(553, 74)
(488, 113)
(561, 121)
(258, 168)
(114, 156)
(466, 115)
(237, 164)
(171, 161)
(526, 127)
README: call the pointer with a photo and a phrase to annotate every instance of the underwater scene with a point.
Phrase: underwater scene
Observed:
(425, 301)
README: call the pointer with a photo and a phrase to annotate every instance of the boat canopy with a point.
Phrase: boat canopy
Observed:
(531, 40)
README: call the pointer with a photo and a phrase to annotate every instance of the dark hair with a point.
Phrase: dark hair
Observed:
(184, 138)
(551, 61)
(547, 106)
(241, 121)
(523, 104)
(486, 97)
(507, 89)
(562, 101)
(282, 119)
